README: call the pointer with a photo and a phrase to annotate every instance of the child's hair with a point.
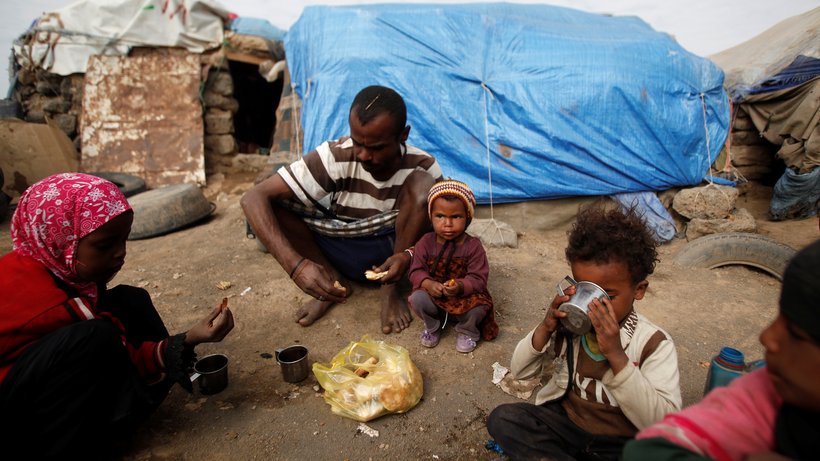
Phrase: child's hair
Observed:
(603, 236)
(801, 290)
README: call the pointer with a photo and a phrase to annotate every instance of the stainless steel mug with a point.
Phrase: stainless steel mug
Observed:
(211, 372)
(294, 363)
(577, 308)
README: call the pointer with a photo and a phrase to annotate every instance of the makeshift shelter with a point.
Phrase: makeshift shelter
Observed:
(775, 78)
(520, 101)
(161, 90)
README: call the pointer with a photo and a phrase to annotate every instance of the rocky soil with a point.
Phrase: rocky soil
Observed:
(259, 416)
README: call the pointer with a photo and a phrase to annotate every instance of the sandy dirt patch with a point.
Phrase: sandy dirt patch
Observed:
(259, 416)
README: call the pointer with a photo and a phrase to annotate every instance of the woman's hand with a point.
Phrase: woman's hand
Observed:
(211, 329)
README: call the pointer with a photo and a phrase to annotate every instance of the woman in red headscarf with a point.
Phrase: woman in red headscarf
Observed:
(80, 364)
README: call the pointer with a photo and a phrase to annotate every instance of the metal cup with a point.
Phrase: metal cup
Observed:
(211, 372)
(294, 363)
(577, 308)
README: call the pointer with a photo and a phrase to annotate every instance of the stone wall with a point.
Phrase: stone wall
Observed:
(219, 108)
(751, 154)
(42, 94)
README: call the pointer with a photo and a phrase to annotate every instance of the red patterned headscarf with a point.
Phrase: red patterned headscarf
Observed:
(55, 213)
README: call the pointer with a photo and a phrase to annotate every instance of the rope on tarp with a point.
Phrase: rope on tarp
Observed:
(729, 172)
(493, 222)
(708, 178)
(487, 145)
(295, 117)
(706, 131)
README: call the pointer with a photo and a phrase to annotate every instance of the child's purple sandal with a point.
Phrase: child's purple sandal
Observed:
(430, 339)
(465, 344)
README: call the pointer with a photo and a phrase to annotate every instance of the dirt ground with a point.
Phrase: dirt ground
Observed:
(259, 416)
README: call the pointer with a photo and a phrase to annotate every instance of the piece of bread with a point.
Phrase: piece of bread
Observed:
(222, 307)
(364, 372)
(373, 275)
(338, 285)
(394, 396)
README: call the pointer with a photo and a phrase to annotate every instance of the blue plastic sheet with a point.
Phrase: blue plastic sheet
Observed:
(259, 27)
(651, 210)
(800, 71)
(567, 103)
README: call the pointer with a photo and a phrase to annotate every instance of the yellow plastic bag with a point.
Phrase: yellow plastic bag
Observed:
(370, 378)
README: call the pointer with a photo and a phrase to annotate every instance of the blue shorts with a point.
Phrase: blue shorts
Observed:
(353, 255)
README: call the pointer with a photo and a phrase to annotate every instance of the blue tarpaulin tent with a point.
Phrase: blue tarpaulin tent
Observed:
(543, 101)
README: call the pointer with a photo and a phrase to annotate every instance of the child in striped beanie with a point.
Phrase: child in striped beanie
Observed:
(449, 271)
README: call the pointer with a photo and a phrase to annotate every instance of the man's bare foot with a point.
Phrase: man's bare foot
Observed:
(314, 309)
(395, 315)
(311, 311)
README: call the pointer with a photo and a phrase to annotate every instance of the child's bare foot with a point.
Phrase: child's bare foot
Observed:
(395, 315)
(311, 311)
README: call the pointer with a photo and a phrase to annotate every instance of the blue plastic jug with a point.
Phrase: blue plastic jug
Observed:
(725, 367)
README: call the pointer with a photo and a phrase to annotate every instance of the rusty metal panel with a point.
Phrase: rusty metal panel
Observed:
(142, 116)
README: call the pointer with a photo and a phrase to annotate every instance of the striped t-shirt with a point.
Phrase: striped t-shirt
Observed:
(361, 204)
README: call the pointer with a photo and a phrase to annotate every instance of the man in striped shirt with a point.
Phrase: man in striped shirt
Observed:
(348, 206)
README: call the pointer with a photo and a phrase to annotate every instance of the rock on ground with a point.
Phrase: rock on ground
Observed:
(712, 201)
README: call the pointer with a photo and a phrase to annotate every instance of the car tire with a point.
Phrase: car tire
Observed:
(167, 209)
(128, 184)
(732, 248)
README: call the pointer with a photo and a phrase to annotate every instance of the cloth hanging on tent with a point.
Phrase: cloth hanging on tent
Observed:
(795, 195)
(63, 40)
(790, 118)
(800, 71)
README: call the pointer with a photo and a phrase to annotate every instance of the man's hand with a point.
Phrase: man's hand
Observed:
(608, 333)
(318, 282)
(211, 329)
(395, 266)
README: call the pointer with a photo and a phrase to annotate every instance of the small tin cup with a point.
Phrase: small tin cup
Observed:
(294, 363)
(211, 372)
(577, 308)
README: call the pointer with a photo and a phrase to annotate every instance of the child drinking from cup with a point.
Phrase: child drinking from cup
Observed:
(606, 385)
(81, 364)
(449, 271)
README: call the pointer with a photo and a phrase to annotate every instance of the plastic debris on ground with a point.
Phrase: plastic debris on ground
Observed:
(366, 430)
(499, 371)
(494, 446)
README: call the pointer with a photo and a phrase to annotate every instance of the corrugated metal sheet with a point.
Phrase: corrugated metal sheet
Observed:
(142, 116)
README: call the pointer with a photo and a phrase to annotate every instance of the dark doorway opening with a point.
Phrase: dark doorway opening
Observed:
(255, 121)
